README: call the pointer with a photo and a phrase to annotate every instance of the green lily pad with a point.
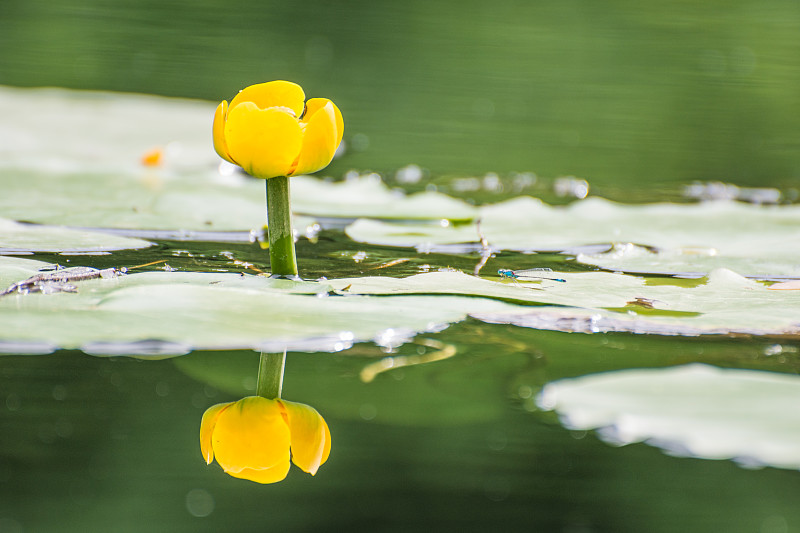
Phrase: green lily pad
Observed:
(26, 238)
(671, 238)
(75, 158)
(590, 302)
(176, 312)
(146, 202)
(368, 196)
(14, 269)
(692, 411)
(774, 264)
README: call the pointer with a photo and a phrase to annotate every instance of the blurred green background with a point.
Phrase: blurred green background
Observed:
(633, 97)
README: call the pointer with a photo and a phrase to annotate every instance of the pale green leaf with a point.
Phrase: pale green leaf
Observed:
(367, 196)
(14, 269)
(694, 411)
(22, 238)
(175, 312)
(722, 303)
(753, 240)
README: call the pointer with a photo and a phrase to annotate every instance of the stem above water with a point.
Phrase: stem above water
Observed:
(283, 261)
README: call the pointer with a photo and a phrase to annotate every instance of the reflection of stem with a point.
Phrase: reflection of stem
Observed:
(391, 263)
(486, 250)
(270, 375)
(279, 227)
(443, 351)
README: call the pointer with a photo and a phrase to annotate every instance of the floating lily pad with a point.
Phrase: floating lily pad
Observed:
(671, 238)
(23, 238)
(176, 312)
(59, 132)
(591, 302)
(691, 411)
(368, 196)
(75, 158)
(453, 282)
(149, 201)
(758, 262)
(723, 304)
(14, 269)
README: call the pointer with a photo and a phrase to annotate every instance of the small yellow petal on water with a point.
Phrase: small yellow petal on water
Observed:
(153, 158)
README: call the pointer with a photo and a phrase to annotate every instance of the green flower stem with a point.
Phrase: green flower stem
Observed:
(283, 261)
(270, 375)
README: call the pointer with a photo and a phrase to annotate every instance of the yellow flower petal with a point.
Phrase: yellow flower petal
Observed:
(327, 450)
(320, 140)
(314, 104)
(309, 434)
(267, 475)
(218, 129)
(251, 434)
(277, 93)
(207, 429)
(264, 142)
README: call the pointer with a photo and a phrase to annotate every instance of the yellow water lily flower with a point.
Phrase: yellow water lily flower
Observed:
(252, 438)
(268, 130)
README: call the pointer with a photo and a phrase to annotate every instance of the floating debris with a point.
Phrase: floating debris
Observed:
(60, 280)
(647, 303)
(392, 263)
(153, 158)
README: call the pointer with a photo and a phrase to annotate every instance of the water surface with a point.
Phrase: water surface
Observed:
(638, 100)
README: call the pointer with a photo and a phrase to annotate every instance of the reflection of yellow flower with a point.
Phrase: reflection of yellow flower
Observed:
(268, 131)
(251, 438)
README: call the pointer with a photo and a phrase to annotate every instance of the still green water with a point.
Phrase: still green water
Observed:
(639, 100)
